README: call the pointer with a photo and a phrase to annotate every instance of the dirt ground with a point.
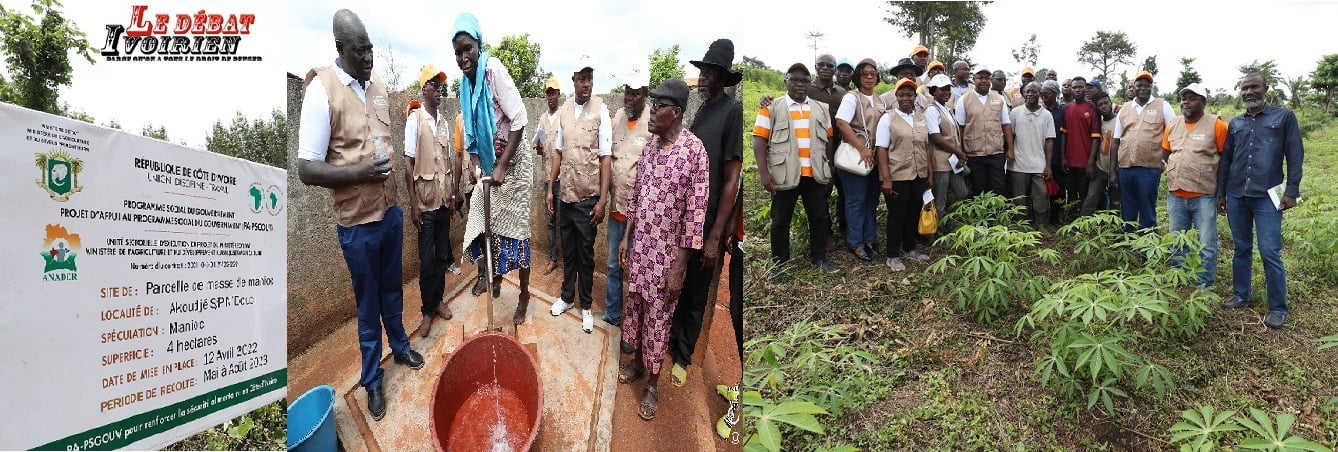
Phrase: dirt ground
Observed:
(685, 420)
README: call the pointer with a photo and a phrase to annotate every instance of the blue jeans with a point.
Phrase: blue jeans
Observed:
(861, 208)
(1248, 216)
(1138, 195)
(1197, 213)
(613, 290)
(373, 254)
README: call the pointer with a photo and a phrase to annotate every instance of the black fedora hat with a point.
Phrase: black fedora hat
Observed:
(721, 55)
(905, 63)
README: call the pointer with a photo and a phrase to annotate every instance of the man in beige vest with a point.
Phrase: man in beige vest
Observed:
(629, 138)
(343, 144)
(548, 125)
(432, 180)
(792, 141)
(582, 165)
(987, 132)
(1136, 147)
(1193, 144)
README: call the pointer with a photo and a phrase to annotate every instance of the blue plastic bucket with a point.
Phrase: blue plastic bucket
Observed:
(311, 423)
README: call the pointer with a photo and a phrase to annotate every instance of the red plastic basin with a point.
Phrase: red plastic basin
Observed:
(466, 404)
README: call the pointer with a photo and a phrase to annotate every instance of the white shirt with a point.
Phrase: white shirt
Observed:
(883, 138)
(961, 107)
(605, 137)
(1167, 113)
(846, 111)
(411, 133)
(935, 116)
(313, 130)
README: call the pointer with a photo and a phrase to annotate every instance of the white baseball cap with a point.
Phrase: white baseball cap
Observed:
(1196, 89)
(637, 78)
(939, 80)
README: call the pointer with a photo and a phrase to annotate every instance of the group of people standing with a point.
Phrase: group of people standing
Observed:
(1045, 141)
(667, 187)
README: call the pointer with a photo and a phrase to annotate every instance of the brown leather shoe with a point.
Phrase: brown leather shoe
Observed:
(426, 326)
(444, 312)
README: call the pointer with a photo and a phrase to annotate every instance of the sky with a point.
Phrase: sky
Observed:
(619, 34)
(1221, 35)
(183, 97)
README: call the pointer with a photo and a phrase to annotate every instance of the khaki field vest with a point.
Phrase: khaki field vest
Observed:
(1192, 165)
(1140, 141)
(983, 131)
(906, 159)
(434, 165)
(783, 146)
(627, 146)
(947, 128)
(864, 121)
(579, 173)
(550, 141)
(353, 123)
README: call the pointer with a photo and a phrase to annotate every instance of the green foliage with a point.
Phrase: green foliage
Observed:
(1150, 65)
(1328, 342)
(1094, 238)
(949, 28)
(1296, 89)
(806, 370)
(1274, 436)
(1325, 78)
(1204, 427)
(259, 140)
(1314, 237)
(1106, 51)
(1027, 54)
(1187, 76)
(664, 65)
(521, 58)
(1204, 430)
(149, 131)
(990, 269)
(38, 55)
(262, 429)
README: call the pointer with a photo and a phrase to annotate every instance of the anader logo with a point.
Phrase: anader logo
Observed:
(182, 37)
(59, 251)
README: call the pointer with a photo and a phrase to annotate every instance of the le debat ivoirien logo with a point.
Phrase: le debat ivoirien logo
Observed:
(202, 36)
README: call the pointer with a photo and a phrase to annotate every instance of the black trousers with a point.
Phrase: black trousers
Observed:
(736, 291)
(1074, 186)
(434, 255)
(819, 225)
(987, 174)
(903, 215)
(687, 322)
(578, 250)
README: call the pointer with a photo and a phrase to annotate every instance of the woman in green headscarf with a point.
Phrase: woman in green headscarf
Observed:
(494, 121)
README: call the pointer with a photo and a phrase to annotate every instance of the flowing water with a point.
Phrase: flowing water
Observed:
(491, 419)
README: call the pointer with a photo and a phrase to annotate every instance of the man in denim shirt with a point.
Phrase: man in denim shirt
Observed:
(1272, 134)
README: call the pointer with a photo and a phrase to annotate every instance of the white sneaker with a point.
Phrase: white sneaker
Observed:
(917, 255)
(895, 264)
(587, 321)
(560, 307)
(454, 268)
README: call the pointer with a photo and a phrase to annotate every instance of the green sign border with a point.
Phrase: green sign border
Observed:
(239, 391)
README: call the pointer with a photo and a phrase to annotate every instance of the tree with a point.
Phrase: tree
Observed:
(664, 64)
(1187, 76)
(149, 131)
(1027, 54)
(521, 58)
(1296, 88)
(1150, 65)
(1325, 78)
(1106, 51)
(753, 63)
(1269, 70)
(815, 36)
(949, 28)
(258, 140)
(38, 55)
(387, 61)
(112, 124)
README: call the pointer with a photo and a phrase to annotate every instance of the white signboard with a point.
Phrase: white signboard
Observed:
(144, 286)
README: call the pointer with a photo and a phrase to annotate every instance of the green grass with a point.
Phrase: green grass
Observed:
(263, 429)
(962, 384)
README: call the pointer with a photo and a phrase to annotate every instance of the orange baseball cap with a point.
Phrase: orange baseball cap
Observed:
(936, 63)
(413, 104)
(1144, 74)
(919, 49)
(1027, 70)
(904, 82)
(430, 72)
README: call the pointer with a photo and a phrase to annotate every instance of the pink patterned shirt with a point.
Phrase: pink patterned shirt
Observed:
(668, 204)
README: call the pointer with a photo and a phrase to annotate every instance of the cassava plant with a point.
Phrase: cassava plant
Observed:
(990, 270)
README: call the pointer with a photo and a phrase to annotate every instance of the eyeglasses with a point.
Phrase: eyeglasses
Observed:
(657, 104)
(799, 81)
(432, 84)
(868, 73)
(825, 65)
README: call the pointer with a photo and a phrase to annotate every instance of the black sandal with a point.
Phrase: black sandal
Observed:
(630, 372)
(647, 410)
